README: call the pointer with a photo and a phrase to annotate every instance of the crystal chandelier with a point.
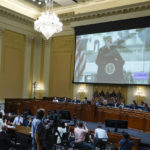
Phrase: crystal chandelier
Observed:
(48, 23)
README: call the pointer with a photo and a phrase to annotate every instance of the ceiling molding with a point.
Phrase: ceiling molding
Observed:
(23, 24)
(15, 16)
(71, 17)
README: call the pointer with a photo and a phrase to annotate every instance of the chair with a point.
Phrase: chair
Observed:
(64, 141)
(51, 141)
(77, 146)
(101, 144)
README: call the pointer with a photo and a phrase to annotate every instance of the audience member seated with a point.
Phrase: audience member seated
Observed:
(55, 99)
(105, 102)
(5, 141)
(80, 132)
(54, 115)
(100, 135)
(2, 111)
(126, 143)
(145, 107)
(121, 106)
(10, 118)
(27, 121)
(116, 104)
(5, 119)
(98, 102)
(61, 130)
(75, 100)
(134, 105)
(102, 94)
(18, 120)
(1, 121)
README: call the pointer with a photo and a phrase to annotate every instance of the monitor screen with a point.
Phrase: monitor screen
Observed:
(122, 124)
(113, 57)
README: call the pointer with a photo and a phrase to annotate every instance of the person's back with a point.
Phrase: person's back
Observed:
(5, 142)
(101, 134)
(80, 131)
(126, 143)
(38, 131)
(61, 131)
(1, 121)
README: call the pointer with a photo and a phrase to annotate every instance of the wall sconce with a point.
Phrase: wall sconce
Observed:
(82, 92)
(139, 95)
(36, 87)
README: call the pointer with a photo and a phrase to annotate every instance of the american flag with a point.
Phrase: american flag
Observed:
(80, 59)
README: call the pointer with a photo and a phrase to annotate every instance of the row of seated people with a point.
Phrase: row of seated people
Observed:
(108, 94)
(43, 131)
(120, 104)
(101, 101)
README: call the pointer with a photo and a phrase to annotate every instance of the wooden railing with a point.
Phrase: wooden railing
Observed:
(136, 119)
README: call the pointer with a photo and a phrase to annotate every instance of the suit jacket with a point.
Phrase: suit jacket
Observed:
(76, 102)
(5, 142)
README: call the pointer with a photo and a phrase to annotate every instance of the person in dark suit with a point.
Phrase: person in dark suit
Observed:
(134, 105)
(75, 100)
(126, 143)
(5, 141)
(109, 62)
(116, 104)
(66, 100)
(146, 108)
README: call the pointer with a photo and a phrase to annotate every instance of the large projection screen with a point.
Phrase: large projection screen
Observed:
(114, 57)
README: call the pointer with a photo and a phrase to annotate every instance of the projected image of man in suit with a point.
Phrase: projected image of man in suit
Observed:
(110, 63)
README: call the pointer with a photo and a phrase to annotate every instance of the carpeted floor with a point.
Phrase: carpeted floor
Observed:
(145, 137)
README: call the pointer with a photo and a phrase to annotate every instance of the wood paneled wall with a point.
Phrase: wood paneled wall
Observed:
(62, 64)
(12, 72)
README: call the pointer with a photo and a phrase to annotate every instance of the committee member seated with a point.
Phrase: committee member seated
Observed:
(80, 132)
(121, 106)
(75, 100)
(55, 99)
(66, 100)
(18, 120)
(100, 134)
(134, 105)
(115, 104)
(126, 143)
(145, 107)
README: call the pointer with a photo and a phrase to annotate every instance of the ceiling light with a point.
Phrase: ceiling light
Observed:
(48, 23)
(39, 3)
(33, 0)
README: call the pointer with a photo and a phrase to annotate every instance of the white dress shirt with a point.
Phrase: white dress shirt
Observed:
(18, 120)
(61, 132)
(101, 134)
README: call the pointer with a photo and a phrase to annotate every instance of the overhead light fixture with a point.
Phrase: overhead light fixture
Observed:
(39, 3)
(48, 23)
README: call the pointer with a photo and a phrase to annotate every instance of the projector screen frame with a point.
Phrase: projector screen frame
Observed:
(133, 23)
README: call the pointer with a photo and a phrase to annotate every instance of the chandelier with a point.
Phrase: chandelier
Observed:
(48, 23)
